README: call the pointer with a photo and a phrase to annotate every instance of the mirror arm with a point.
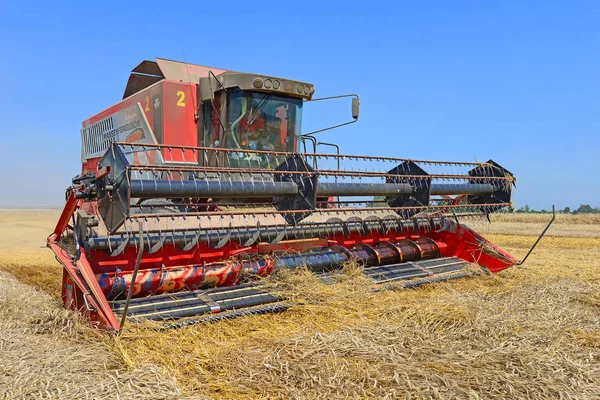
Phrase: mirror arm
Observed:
(333, 97)
(355, 99)
(331, 127)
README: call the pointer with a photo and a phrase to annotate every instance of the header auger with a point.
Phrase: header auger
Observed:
(194, 185)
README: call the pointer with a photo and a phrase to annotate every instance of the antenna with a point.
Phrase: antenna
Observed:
(187, 67)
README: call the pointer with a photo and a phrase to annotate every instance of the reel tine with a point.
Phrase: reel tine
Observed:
(337, 221)
(238, 234)
(120, 248)
(157, 246)
(357, 221)
(381, 226)
(254, 238)
(194, 240)
(185, 232)
(326, 229)
(373, 220)
(387, 221)
(225, 239)
(213, 243)
(345, 228)
(161, 238)
(280, 236)
(207, 236)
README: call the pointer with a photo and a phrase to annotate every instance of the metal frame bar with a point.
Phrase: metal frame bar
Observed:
(283, 153)
(133, 278)
(540, 237)
(324, 210)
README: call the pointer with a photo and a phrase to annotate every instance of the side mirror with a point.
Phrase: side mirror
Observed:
(355, 107)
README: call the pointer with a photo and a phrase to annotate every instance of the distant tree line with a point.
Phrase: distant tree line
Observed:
(379, 201)
(583, 209)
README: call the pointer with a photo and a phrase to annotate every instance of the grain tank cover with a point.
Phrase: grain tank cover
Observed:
(147, 73)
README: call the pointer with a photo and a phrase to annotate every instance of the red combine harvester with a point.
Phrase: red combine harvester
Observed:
(195, 184)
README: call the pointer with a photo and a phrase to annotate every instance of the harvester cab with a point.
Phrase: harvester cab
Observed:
(194, 185)
(246, 111)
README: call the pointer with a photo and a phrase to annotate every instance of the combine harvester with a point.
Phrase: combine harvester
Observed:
(195, 184)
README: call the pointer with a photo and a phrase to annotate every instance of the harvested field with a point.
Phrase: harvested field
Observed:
(530, 332)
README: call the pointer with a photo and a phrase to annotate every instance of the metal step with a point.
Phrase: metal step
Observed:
(408, 270)
(266, 309)
(415, 269)
(414, 283)
(190, 303)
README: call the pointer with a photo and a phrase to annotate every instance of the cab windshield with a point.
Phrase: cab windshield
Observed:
(262, 121)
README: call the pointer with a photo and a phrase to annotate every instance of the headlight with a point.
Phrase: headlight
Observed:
(300, 89)
(268, 84)
(258, 83)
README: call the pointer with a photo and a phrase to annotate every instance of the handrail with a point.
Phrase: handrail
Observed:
(135, 272)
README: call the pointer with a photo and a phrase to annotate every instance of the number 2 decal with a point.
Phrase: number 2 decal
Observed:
(181, 96)
(147, 108)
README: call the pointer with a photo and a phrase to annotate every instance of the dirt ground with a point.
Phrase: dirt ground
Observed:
(530, 332)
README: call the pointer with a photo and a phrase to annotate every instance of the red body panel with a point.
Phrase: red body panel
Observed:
(170, 110)
(179, 127)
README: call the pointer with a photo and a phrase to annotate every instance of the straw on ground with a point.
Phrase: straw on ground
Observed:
(531, 332)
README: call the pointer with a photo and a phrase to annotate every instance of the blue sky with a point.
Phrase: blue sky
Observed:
(516, 81)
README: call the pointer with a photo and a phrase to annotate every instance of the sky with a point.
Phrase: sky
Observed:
(514, 81)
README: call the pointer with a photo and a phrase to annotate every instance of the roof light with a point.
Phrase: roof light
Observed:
(258, 83)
